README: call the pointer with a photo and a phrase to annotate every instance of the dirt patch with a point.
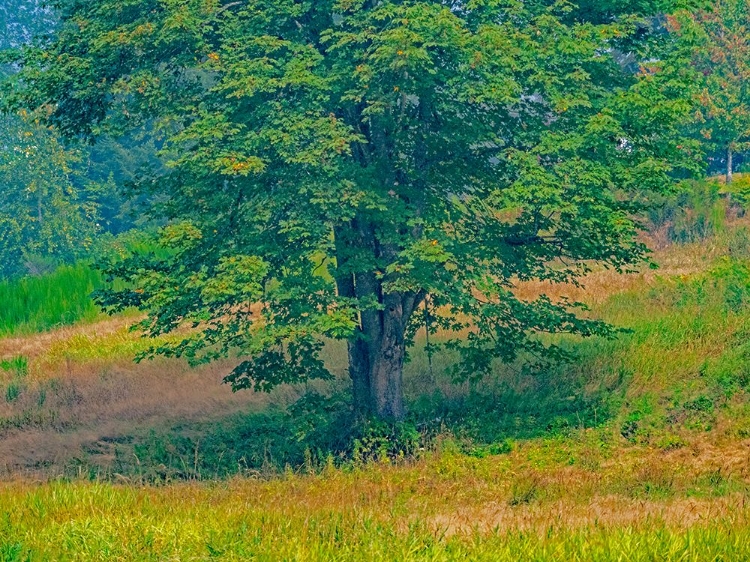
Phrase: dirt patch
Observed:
(605, 511)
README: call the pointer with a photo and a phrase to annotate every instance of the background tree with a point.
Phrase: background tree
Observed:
(56, 200)
(43, 220)
(336, 165)
(107, 172)
(718, 41)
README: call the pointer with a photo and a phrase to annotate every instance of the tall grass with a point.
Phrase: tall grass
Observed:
(343, 517)
(35, 304)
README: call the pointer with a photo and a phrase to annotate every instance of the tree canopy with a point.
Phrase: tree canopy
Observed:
(336, 166)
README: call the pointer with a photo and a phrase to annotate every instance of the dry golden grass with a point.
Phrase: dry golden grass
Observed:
(36, 345)
(606, 511)
(83, 392)
(89, 411)
(600, 284)
(529, 504)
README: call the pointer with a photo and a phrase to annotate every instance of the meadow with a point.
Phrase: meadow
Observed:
(441, 509)
(489, 259)
(639, 449)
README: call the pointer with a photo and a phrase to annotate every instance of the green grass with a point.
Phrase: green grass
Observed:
(18, 365)
(36, 304)
(356, 516)
(686, 358)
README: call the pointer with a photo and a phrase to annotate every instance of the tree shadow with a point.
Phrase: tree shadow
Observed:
(520, 402)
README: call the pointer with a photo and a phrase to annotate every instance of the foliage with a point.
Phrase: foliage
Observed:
(41, 213)
(56, 200)
(739, 191)
(108, 174)
(44, 218)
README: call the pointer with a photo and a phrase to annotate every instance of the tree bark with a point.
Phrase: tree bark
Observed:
(40, 216)
(387, 361)
(359, 357)
(729, 164)
(376, 361)
(359, 372)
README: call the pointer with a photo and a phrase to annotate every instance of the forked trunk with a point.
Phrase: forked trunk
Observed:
(377, 350)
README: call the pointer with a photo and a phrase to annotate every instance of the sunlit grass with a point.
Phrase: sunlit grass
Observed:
(94, 349)
(379, 513)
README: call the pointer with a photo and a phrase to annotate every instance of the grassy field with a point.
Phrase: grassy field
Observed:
(638, 450)
(525, 505)
(74, 400)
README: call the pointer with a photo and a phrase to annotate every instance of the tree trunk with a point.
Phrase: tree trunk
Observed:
(376, 356)
(729, 165)
(376, 365)
(387, 362)
(377, 350)
(359, 357)
(359, 372)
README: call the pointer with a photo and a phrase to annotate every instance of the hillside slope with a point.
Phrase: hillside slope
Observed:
(73, 401)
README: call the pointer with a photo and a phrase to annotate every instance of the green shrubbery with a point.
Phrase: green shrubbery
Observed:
(314, 432)
(696, 212)
(318, 430)
(63, 296)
